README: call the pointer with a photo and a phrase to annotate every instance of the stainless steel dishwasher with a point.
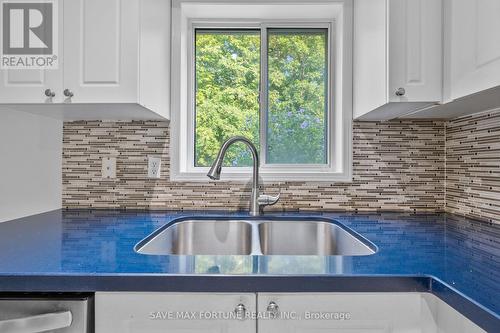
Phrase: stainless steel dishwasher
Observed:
(46, 313)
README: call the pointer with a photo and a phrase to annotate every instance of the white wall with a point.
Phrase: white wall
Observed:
(30, 164)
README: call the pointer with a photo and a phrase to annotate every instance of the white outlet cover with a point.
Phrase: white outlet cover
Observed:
(108, 167)
(154, 167)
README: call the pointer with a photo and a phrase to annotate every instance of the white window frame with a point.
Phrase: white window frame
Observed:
(336, 16)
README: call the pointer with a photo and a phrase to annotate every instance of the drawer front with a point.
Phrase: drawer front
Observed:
(45, 315)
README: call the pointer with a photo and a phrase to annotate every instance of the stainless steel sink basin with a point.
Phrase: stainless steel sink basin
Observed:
(273, 236)
(309, 238)
(200, 237)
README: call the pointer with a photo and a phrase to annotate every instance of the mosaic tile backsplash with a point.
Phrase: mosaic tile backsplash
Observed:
(398, 166)
(473, 166)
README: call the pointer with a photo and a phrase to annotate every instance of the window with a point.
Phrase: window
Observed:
(297, 96)
(282, 83)
(228, 79)
(227, 93)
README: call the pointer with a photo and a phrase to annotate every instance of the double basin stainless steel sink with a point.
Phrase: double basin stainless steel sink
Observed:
(260, 236)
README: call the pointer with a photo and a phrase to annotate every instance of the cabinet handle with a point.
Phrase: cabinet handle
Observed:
(68, 93)
(273, 309)
(400, 92)
(240, 311)
(49, 93)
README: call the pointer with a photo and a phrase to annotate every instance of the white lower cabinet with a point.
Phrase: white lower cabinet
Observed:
(277, 313)
(346, 313)
(361, 313)
(173, 313)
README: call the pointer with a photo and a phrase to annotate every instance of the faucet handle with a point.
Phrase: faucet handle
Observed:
(268, 200)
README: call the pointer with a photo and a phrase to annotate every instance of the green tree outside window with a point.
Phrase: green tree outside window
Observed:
(228, 65)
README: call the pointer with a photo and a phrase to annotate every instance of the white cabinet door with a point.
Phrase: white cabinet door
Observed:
(171, 312)
(101, 50)
(29, 85)
(343, 312)
(397, 57)
(415, 50)
(472, 48)
(361, 312)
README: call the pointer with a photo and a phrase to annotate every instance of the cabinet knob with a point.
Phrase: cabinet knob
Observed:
(273, 309)
(49, 93)
(400, 92)
(68, 93)
(240, 311)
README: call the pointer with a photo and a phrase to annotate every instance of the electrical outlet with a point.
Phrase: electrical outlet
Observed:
(108, 167)
(154, 167)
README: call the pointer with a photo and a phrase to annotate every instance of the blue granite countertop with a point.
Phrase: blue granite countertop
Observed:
(457, 259)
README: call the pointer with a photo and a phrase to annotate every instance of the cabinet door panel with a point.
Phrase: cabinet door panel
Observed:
(473, 46)
(169, 312)
(29, 85)
(415, 44)
(346, 312)
(363, 313)
(101, 50)
(101, 42)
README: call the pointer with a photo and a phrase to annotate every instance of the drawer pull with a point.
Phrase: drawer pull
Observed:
(37, 323)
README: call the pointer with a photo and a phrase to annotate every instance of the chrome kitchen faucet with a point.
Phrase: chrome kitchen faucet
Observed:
(257, 202)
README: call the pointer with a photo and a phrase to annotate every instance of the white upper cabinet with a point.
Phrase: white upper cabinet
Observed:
(32, 85)
(471, 59)
(114, 64)
(101, 51)
(472, 47)
(397, 57)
